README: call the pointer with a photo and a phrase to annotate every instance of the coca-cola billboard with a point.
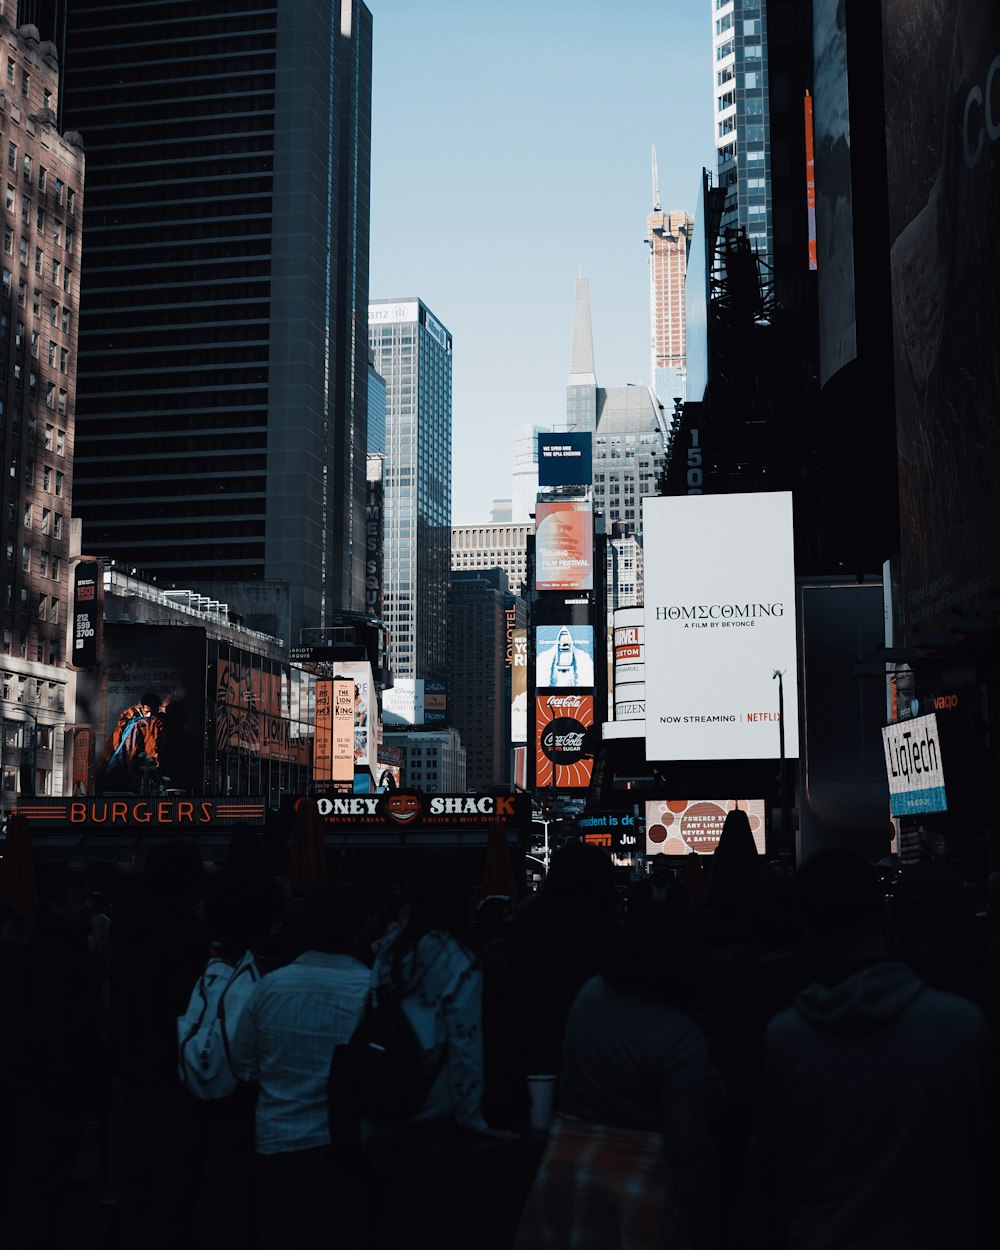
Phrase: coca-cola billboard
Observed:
(561, 724)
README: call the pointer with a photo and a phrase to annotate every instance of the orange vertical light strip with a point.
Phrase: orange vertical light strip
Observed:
(810, 181)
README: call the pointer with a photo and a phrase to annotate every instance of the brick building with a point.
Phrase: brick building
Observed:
(43, 194)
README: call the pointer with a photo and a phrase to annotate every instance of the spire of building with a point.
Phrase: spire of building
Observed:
(581, 369)
(656, 184)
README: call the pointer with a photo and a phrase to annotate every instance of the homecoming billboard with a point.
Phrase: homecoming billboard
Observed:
(719, 624)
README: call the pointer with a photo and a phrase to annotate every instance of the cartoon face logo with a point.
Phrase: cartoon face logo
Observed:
(402, 808)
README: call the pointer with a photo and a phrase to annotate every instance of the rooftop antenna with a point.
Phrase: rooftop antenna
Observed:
(656, 184)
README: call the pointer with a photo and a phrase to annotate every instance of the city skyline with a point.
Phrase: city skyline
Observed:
(492, 218)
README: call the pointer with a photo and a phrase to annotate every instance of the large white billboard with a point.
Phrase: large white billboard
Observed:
(719, 623)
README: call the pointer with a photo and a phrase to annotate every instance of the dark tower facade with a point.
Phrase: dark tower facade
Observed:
(222, 385)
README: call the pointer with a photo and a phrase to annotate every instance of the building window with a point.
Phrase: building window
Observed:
(57, 527)
(67, 280)
(53, 312)
(27, 168)
(12, 156)
(25, 559)
(64, 324)
(25, 83)
(36, 302)
(27, 516)
(55, 272)
(8, 240)
(43, 563)
(60, 442)
(46, 478)
(63, 358)
(38, 260)
(41, 187)
(62, 402)
(10, 69)
(59, 190)
(46, 520)
(59, 482)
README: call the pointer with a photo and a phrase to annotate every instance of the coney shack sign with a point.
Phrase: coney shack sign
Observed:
(400, 811)
(129, 812)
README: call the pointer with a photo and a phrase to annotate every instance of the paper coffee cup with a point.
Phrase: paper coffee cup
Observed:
(542, 1099)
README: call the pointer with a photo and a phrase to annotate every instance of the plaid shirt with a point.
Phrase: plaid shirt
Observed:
(285, 1040)
(600, 1186)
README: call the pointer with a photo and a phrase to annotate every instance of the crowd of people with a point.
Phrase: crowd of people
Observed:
(774, 1060)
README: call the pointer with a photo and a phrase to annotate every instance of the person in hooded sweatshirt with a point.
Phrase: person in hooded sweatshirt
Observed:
(877, 1086)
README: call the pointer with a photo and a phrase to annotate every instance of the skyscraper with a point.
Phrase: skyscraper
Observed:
(627, 423)
(668, 236)
(412, 351)
(221, 426)
(38, 324)
(479, 694)
(741, 112)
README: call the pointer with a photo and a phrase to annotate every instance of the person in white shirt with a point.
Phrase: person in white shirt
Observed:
(284, 1043)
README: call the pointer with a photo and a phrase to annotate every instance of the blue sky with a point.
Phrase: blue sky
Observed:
(510, 152)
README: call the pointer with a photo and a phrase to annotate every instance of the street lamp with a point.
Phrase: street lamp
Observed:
(784, 846)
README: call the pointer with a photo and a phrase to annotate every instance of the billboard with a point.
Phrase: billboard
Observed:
(629, 645)
(941, 62)
(519, 687)
(913, 766)
(365, 709)
(403, 702)
(565, 460)
(167, 663)
(435, 702)
(694, 826)
(561, 722)
(564, 656)
(88, 615)
(831, 237)
(563, 609)
(564, 545)
(719, 624)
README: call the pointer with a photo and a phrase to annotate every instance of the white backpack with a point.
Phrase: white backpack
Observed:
(204, 1031)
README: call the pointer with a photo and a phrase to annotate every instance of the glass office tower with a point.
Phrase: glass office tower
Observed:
(412, 352)
(222, 387)
(742, 129)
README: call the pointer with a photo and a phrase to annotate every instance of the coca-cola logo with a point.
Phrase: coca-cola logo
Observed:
(568, 702)
(562, 740)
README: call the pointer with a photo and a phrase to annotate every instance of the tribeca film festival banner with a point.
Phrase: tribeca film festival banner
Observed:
(719, 622)
(564, 545)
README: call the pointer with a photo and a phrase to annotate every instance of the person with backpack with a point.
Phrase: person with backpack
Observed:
(283, 1042)
(430, 964)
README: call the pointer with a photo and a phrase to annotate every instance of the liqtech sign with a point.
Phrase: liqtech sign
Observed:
(914, 767)
(719, 623)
